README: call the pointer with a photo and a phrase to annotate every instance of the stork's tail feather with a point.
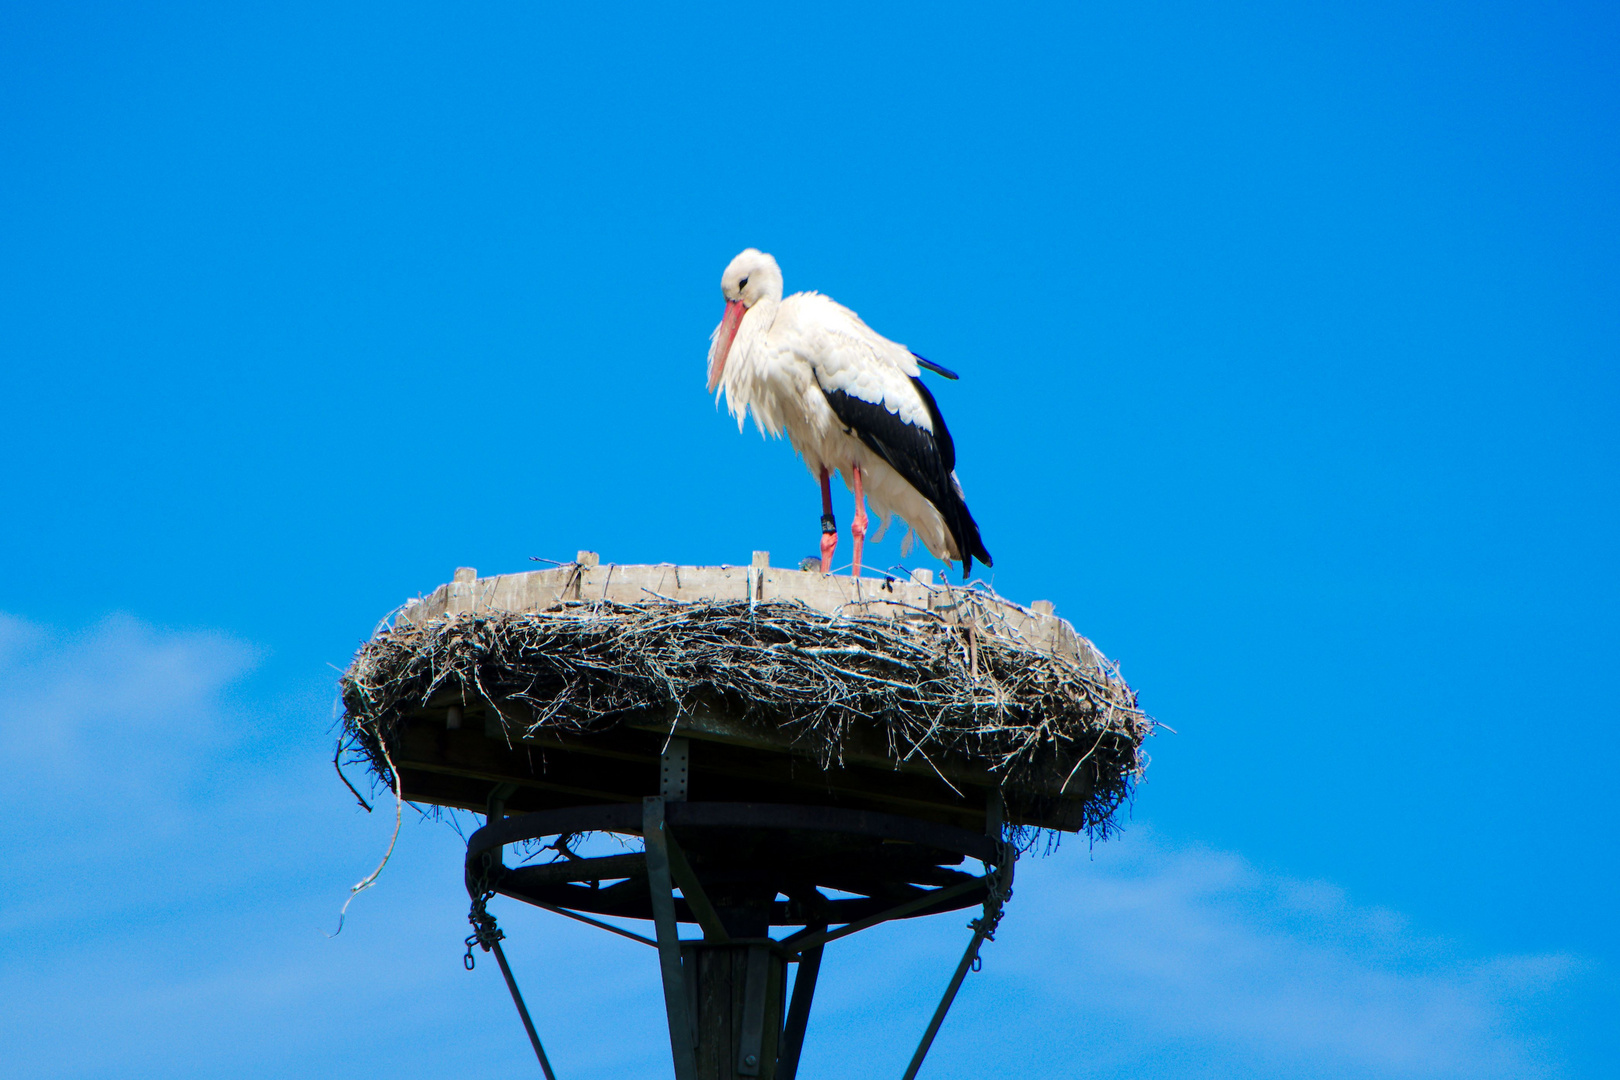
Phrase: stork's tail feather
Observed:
(978, 552)
(964, 530)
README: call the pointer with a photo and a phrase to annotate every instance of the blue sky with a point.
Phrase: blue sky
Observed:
(1288, 342)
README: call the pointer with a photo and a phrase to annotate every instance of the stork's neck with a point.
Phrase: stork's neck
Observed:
(760, 317)
(743, 372)
(755, 327)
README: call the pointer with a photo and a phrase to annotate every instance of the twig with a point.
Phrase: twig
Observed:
(399, 816)
(338, 765)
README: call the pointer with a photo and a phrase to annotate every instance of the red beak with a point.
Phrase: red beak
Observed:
(724, 334)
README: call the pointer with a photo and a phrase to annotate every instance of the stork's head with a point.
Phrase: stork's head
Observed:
(752, 276)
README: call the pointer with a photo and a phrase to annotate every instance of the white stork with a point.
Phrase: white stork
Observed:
(850, 400)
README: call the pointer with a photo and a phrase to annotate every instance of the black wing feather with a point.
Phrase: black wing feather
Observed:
(938, 369)
(925, 459)
(942, 434)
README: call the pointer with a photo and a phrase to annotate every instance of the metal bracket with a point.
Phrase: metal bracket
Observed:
(673, 770)
(495, 810)
(495, 805)
(677, 1007)
(751, 1046)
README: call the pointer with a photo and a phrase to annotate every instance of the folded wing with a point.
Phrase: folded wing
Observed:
(874, 388)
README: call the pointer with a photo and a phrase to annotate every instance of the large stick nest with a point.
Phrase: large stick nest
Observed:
(940, 690)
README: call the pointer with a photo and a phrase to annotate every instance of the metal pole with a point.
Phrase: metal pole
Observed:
(945, 1002)
(692, 889)
(798, 1018)
(676, 1006)
(523, 1011)
(815, 939)
(1000, 888)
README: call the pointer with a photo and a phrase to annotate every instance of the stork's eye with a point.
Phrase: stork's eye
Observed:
(743, 284)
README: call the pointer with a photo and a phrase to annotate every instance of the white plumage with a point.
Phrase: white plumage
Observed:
(850, 401)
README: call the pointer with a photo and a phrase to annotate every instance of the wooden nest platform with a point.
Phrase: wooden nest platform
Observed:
(565, 688)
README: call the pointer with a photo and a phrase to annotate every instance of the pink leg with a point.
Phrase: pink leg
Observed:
(829, 527)
(858, 526)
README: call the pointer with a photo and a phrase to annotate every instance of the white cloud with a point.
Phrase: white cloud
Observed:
(109, 734)
(1200, 947)
(113, 711)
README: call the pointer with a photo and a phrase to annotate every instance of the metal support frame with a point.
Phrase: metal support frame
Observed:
(667, 868)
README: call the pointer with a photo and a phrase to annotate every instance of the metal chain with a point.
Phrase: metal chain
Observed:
(487, 936)
(997, 895)
(485, 933)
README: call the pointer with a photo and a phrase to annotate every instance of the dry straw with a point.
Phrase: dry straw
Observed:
(963, 690)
